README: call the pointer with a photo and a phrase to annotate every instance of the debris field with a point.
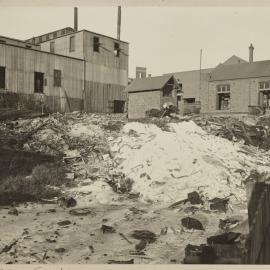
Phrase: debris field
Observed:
(165, 190)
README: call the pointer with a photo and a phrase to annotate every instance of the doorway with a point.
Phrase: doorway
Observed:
(118, 106)
(39, 82)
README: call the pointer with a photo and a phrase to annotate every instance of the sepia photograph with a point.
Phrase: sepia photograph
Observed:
(134, 132)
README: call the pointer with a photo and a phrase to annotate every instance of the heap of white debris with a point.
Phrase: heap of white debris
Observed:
(166, 165)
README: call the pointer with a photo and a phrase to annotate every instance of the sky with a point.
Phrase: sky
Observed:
(162, 39)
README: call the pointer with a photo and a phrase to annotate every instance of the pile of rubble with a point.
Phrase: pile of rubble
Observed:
(253, 131)
(165, 165)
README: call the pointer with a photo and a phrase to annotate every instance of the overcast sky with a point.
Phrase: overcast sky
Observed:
(163, 39)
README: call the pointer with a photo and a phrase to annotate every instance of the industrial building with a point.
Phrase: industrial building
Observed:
(66, 70)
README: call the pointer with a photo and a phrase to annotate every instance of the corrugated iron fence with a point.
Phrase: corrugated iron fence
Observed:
(259, 224)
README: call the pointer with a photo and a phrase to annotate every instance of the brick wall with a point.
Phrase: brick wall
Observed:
(244, 93)
(139, 103)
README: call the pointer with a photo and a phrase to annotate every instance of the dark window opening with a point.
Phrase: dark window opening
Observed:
(72, 44)
(55, 35)
(168, 88)
(39, 82)
(63, 32)
(47, 37)
(57, 78)
(40, 39)
(52, 46)
(116, 49)
(28, 46)
(2, 41)
(224, 101)
(223, 97)
(2, 77)
(118, 106)
(96, 44)
(189, 100)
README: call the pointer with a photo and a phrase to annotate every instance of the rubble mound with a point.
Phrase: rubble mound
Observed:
(166, 165)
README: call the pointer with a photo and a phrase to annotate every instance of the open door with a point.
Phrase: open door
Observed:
(39, 82)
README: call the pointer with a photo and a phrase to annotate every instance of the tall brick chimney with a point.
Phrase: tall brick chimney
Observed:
(251, 49)
(75, 19)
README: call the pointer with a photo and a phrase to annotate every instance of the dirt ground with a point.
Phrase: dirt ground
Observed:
(42, 240)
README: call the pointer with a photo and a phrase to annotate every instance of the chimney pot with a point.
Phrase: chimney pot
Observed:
(76, 19)
(251, 49)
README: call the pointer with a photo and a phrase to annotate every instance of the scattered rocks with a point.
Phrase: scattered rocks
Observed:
(145, 235)
(219, 204)
(225, 238)
(192, 223)
(107, 229)
(67, 202)
(141, 245)
(64, 223)
(13, 211)
(229, 223)
(194, 198)
(60, 250)
(81, 212)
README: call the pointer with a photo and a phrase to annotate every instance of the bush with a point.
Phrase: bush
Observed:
(49, 174)
(22, 189)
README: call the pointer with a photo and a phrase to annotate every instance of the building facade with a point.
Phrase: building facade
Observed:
(195, 84)
(238, 89)
(87, 69)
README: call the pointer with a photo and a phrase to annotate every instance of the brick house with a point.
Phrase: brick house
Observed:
(237, 88)
(195, 84)
(152, 93)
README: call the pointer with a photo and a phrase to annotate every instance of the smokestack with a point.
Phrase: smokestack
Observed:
(119, 23)
(75, 19)
(251, 49)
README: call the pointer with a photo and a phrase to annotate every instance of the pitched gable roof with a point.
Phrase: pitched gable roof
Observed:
(234, 60)
(241, 71)
(148, 84)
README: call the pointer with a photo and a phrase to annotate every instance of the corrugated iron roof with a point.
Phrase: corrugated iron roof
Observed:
(148, 84)
(241, 71)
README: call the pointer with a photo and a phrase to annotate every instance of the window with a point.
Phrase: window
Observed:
(189, 100)
(264, 99)
(223, 97)
(28, 46)
(52, 46)
(57, 78)
(2, 41)
(116, 49)
(2, 77)
(40, 39)
(96, 44)
(63, 32)
(39, 82)
(47, 37)
(72, 44)
(55, 35)
(264, 85)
